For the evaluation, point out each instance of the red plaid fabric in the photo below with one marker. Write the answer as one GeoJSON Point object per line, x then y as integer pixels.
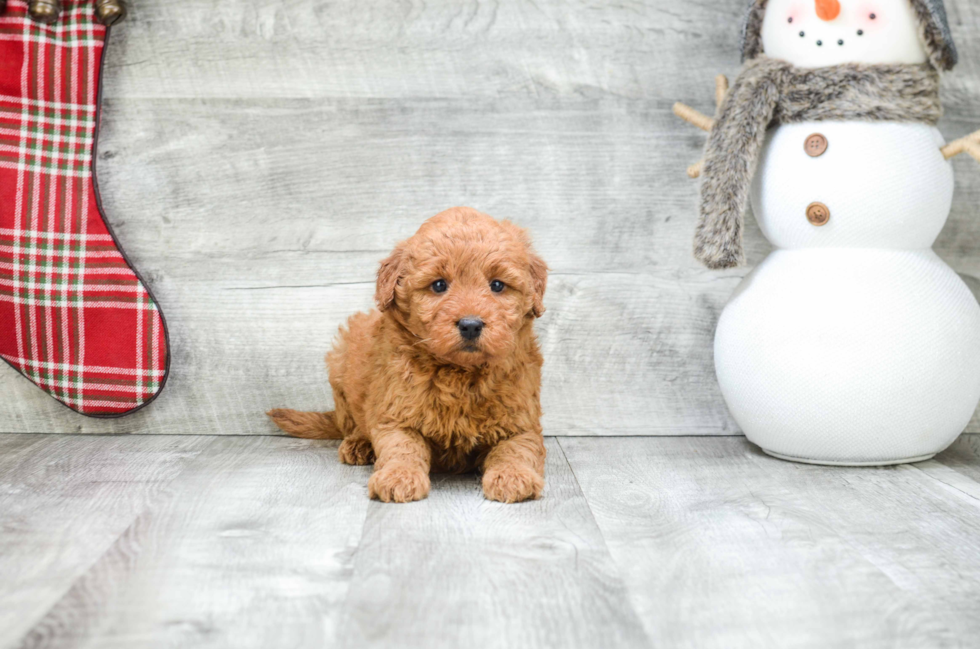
{"type": "Point", "coordinates": [74, 317]}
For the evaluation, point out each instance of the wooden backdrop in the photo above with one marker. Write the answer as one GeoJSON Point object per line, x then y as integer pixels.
{"type": "Point", "coordinates": [258, 158]}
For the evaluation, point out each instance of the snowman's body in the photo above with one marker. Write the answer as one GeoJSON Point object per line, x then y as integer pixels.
{"type": "Point", "coordinates": [852, 343]}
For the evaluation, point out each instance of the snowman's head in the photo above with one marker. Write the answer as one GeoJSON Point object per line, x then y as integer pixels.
{"type": "Point", "coordinates": [821, 33]}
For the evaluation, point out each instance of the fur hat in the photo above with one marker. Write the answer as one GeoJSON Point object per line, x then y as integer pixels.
{"type": "Point", "coordinates": [934, 29]}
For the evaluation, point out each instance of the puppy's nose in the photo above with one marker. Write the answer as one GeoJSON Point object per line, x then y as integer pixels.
{"type": "Point", "coordinates": [470, 327]}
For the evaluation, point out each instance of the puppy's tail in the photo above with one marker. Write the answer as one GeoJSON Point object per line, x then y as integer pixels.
{"type": "Point", "coordinates": [310, 425]}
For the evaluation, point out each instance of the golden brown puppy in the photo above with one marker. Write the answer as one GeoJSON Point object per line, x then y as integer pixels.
{"type": "Point", "coordinates": [446, 374]}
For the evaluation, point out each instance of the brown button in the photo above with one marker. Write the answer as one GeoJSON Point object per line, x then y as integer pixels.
{"type": "Point", "coordinates": [815, 145]}
{"type": "Point", "coordinates": [818, 214]}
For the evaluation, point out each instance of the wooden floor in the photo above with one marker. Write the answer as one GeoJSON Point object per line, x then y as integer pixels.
{"type": "Point", "coordinates": [256, 541]}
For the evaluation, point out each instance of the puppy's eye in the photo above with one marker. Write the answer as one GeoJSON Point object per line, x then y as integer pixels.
{"type": "Point", "coordinates": [497, 286]}
{"type": "Point", "coordinates": [440, 286]}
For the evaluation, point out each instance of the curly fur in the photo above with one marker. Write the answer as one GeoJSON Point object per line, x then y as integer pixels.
{"type": "Point", "coordinates": [769, 92]}
{"type": "Point", "coordinates": [412, 396]}
{"type": "Point", "coordinates": [933, 30]}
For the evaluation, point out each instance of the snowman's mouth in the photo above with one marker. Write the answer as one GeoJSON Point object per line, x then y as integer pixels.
{"type": "Point", "coordinates": [821, 42]}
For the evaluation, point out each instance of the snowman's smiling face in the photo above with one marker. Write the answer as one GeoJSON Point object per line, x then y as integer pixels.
{"type": "Point", "coordinates": [820, 33]}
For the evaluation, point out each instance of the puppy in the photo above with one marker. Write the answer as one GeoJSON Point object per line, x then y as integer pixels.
{"type": "Point", "coordinates": [445, 375]}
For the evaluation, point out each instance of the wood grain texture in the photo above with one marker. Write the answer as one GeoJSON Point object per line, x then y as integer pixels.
{"type": "Point", "coordinates": [261, 541]}
{"type": "Point", "coordinates": [258, 159]}
{"type": "Point", "coordinates": [64, 501]}
{"type": "Point", "coordinates": [254, 541]}
{"type": "Point", "coordinates": [456, 570]}
{"type": "Point", "coordinates": [252, 547]}
{"type": "Point", "coordinates": [723, 546]}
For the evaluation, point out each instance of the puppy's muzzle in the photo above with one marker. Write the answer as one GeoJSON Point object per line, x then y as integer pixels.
{"type": "Point", "coordinates": [470, 328]}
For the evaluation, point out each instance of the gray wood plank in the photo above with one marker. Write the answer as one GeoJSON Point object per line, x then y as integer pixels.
{"type": "Point", "coordinates": [689, 542]}
{"type": "Point", "coordinates": [722, 546]}
{"type": "Point", "coordinates": [456, 570]}
{"type": "Point", "coordinates": [437, 48]}
{"type": "Point", "coordinates": [252, 548]}
{"type": "Point", "coordinates": [958, 466]}
{"type": "Point", "coordinates": [64, 500]}
{"type": "Point", "coordinates": [13, 449]}
{"type": "Point", "coordinates": [258, 159]}
{"type": "Point", "coordinates": [628, 350]}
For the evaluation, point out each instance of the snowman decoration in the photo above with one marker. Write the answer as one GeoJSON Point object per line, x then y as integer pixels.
{"type": "Point", "coordinates": [852, 343]}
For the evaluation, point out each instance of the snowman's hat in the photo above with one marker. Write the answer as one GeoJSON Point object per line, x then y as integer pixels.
{"type": "Point", "coordinates": [934, 28]}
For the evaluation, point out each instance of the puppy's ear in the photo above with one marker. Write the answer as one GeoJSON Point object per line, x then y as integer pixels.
{"type": "Point", "coordinates": [539, 282]}
{"type": "Point", "coordinates": [388, 275]}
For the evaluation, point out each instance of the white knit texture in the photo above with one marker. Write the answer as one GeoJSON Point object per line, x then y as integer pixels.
{"type": "Point", "coordinates": [886, 184]}
{"type": "Point", "coordinates": [851, 355]}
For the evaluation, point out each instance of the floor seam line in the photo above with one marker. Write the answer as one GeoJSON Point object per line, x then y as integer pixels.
{"type": "Point", "coordinates": [150, 504]}
{"type": "Point", "coordinates": [946, 484]}
{"type": "Point", "coordinates": [605, 543]}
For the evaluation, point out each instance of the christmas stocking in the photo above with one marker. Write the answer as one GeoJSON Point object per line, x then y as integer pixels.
{"type": "Point", "coordinates": [75, 317]}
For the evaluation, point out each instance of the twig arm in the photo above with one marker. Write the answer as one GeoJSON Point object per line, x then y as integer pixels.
{"type": "Point", "coordinates": [974, 150]}
{"type": "Point", "coordinates": [692, 116]}
{"type": "Point", "coordinates": [701, 120]}
{"type": "Point", "coordinates": [969, 144]}
{"type": "Point", "coordinates": [721, 89]}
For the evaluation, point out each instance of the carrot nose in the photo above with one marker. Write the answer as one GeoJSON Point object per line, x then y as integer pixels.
{"type": "Point", "coordinates": [828, 9]}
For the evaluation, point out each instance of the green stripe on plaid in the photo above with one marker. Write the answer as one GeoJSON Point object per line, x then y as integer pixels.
{"type": "Point", "coordinates": [46, 112]}
{"type": "Point", "coordinates": [58, 375]}
{"type": "Point", "coordinates": [60, 283]}
{"type": "Point", "coordinates": [41, 234]}
{"type": "Point", "coordinates": [52, 137]}
{"type": "Point", "coordinates": [35, 296]}
{"type": "Point", "coordinates": [92, 370]}
{"type": "Point", "coordinates": [59, 248]}
{"type": "Point", "coordinates": [64, 148]}
{"type": "Point", "coordinates": [50, 164]}
{"type": "Point", "coordinates": [67, 39]}
{"type": "Point", "coordinates": [78, 393]}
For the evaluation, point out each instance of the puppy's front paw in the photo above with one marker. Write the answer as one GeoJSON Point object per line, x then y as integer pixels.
{"type": "Point", "coordinates": [512, 484]}
{"type": "Point", "coordinates": [398, 483]}
{"type": "Point", "coordinates": [356, 450]}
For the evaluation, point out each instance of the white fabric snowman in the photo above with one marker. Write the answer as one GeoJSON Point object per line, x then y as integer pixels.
{"type": "Point", "coordinates": [853, 342]}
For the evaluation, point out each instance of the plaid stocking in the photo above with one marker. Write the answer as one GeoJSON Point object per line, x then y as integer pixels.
{"type": "Point", "coordinates": [75, 318]}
